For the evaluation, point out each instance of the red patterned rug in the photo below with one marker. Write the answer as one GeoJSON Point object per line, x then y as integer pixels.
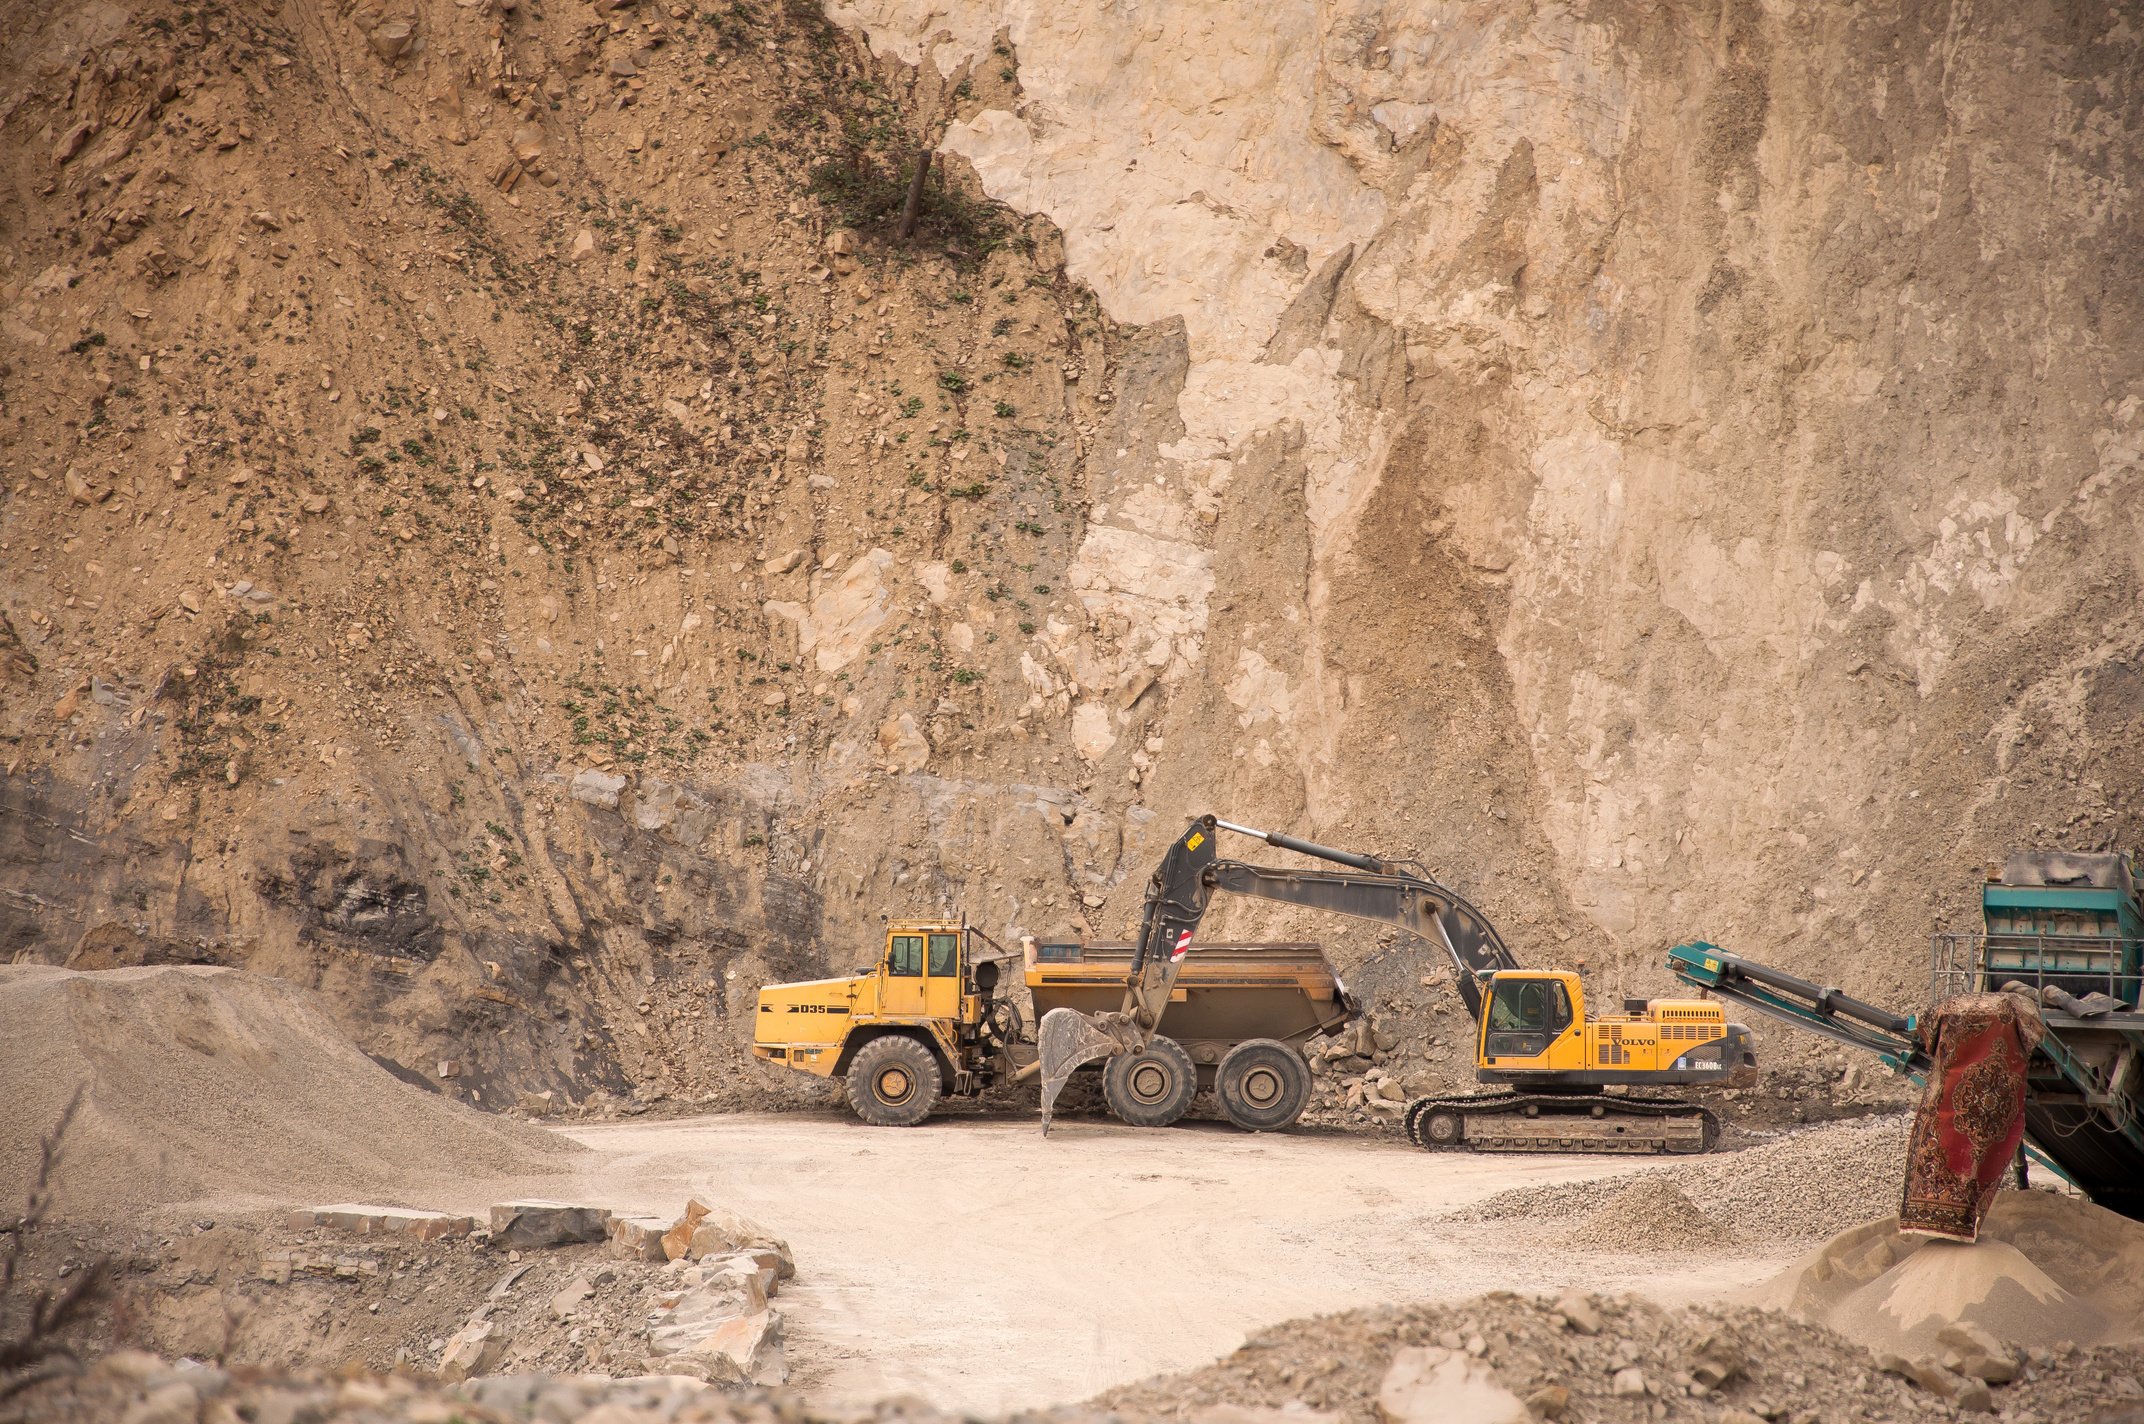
{"type": "Point", "coordinates": [1971, 1117]}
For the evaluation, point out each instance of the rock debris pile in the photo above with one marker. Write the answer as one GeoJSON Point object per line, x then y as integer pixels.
{"type": "Point", "coordinates": [601, 1331]}
{"type": "Point", "coordinates": [1505, 1359]}
{"type": "Point", "coordinates": [1499, 1359]}
{"type": "Point", "coordinates": [704, 1311]}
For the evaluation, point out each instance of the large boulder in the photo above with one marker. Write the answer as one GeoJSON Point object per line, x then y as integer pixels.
{"type": "Point", "coordinates": [1426, 1384]}
{"type": "Point", "coordinates": [548, 1223]}
{"type": "Point", "coordinates": [475, 1349]}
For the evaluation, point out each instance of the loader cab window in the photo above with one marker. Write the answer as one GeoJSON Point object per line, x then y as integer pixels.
{"type": "Point", "coordinates": [905, 959]}
{"type": "Point", "coordinates": [945, 955]}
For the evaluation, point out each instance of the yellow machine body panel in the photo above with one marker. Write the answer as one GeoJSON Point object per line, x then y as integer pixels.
{"type": "Point", "coordinates": [1535, 1027]}
{"type": "Point", "coordinates": [804, 1025]}
{"type": "Point", "coordinates": [1653, 1042]}
{"type": "Point", "coordinates": [917, 981]}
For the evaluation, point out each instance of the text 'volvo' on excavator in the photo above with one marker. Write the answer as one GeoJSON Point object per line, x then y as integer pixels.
{"type": "Point", "coordinates": [1533, 1034]}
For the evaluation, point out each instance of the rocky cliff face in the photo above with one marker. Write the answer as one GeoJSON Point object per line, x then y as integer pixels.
{"type": "Point", "coordinates": [498, 529]}
{"type": "Point", "coordinates": [1693, 444]}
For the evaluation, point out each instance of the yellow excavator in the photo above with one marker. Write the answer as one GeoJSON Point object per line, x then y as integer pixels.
{"type": "Point", "coordinates": [1533, 1036]}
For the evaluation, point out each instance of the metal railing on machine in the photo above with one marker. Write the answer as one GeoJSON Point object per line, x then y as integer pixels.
{"type": "Point", "coordinates": [2076, 964]}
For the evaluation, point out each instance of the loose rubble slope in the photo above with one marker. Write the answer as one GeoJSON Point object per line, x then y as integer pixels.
{"type": "Point", "coordinates": [1611, 1360]}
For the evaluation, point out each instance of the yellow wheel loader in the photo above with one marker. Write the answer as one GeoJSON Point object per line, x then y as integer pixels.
{"type": "Point", "coordinates": [1532, 1030]}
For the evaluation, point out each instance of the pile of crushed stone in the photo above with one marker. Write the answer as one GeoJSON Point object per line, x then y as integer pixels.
{"type": "Point", "coordinates": [207, 1083]}
{"type": "Point", "coordinates": [1802, 1187]}
{"type": "Point", "coordinates": [1651, 1214]}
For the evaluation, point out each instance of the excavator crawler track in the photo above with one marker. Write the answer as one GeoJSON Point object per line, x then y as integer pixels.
{"type": "Point", "coordinates": [1560, 1122]}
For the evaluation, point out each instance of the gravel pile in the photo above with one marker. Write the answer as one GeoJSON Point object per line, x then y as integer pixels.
{"type": "Point", "coordinates": [1803, 1187]}
{"type": "Point", "coordinates": [1812, 1184]}
{"type": "Point", "coordinates": [1651, 1214]}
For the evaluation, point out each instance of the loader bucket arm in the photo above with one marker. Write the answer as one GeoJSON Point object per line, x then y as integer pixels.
{"type": "Point", "coordinates": [1176, 899]}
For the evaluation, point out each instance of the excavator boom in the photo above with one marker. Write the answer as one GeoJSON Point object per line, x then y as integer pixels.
{"type": "Point", "coordinates": [1413, 903]}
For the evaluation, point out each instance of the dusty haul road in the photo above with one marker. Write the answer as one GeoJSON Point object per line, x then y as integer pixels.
{"type": "Point", "coordinates": [974, 1263]}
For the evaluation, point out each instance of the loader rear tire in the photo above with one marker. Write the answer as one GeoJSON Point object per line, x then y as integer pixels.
{"type": "Point", "coordinates": [893, 1082]}
{"type": "Point", "coordinates": [1263, 1085]}
{"type": "Point", "coordinates": [1151, 1089]}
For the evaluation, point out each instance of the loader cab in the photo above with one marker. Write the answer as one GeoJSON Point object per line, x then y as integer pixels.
{"type": "Point", "coordinates": [920, 973]}
{"type": "Point", "coordinates": [1525, 1016]}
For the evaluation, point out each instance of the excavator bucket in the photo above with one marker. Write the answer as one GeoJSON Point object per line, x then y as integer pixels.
{"type": "Point", "coordinates": [1068, 1039]}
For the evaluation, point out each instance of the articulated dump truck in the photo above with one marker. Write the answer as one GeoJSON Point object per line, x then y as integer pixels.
{"type": "Point", "coordinates": [933, 1019]}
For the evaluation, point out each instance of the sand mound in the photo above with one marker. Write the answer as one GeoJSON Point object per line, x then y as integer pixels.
{"type": "Point", "coordinates": [2047, 1268]}
{"type": "Point", "coordinates": [213, 1083]}
{"type": "Point", "coordinates": [1651, 1214]}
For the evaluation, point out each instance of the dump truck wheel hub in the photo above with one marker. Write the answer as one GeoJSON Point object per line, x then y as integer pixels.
{"type": "Point", "coordinates": [1262, 1087]}
{"type": "Point", "coordinates": [894, 1085]}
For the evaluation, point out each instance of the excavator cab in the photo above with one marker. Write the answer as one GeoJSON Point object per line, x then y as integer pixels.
{"type": "Point", "coordinates": [1526, 1014]}
{"type": "Point", "coordinates": [1533, 1020]}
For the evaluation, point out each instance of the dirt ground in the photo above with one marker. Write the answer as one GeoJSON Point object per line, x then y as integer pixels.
{"type": "Point", "coordinates": [985, 1271]}
{"type": "Point", "coordinates": [978, 1265]}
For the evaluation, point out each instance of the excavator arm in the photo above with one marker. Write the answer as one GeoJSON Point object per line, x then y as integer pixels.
{"type": "Point", "coordinates": [1397, 893]}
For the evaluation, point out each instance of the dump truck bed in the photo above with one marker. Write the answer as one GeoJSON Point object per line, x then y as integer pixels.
{"type": "Point", "coordinates": [1225, 993]}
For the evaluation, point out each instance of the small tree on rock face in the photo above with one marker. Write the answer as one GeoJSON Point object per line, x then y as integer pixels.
{"type": "Point", "coordinates": [913, 204]}
{"type": "Point", "coordinates": [937, 117]}
{"type": "Point", "coordinates": [881, 179]}
{"type": "Point", "coordinates": [33, 1321]}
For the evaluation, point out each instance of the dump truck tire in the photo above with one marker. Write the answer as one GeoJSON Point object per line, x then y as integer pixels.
{"type": "Point", "coordinates": [1151, 1089]}
{"type": "Point", "coordinates": [893, 1082]}
{"type": "Point", "coordinates": [1263, 1085]}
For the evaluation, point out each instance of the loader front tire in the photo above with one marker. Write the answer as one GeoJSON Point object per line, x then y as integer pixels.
{"type": "Point", "coordinates": [1153, 1088]}
{"type": "Point", "coordinates": [893, 1082]}
{"type": "Point", "coordinates": [1263, 1085]}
